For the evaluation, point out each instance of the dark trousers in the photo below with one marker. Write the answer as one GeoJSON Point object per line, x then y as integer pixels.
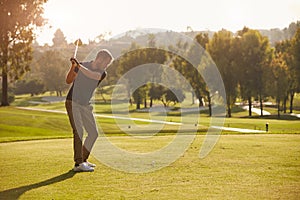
{"type": "Point", "coordinates": [82, 117]}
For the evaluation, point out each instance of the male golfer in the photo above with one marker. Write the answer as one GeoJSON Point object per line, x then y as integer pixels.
{"type": "Point", "coordinates": [85, 77]}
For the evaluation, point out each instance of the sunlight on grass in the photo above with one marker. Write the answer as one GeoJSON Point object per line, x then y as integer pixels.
{"type": "Point", "coordinates": [17, 124]}
{"type": "Point", "coordinates": [239, 167]}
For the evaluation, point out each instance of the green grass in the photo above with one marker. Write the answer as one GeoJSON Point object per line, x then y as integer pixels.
{"type": "Point", "coordinates": [17, 124]}
{"type": "Point", "coordinates": [239, 167]}
{"type": "Point", "coordinates": [275, 126]}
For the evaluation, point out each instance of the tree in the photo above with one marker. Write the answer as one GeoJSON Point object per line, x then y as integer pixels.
{"type": "Point", "coordinates": [18, 20]}
{"type": "Point", "coordinates": [54, 68]}
{"type": "Point", "coordinates": [174, 95]}
{"type": "Point", "coordinates": [284, 48]}
{"type": "Point", "coordinates": [202, 39]}
{"type": "Point", "coordinates": [33, 87]}
{"type": "Point", "coordinates": [154, 55]}
{"type": "Point", "coordinates": [296, 54]}
{"type": "Point", "coordinates": [166, 95]}
{"type": "Point", "coordinates": [220, 49]}
{"type": "Point", "coordinates": [156, 91]}
{"type": "Point", "coordinates": [139, 95]}
{"type": "Point", "coordinates": [279, 80]}
{"type": "Point", "coordinates": [137, 56]}
{"type": "Point", "coordinates": [128, 61]}
{"type": "Point", "coordinates": [59, 39]}
{"type": "Point", "coordinates": [199, 83]}
{"type": "Point", "coordinates": [252, 57]}
{"type": "Point", "coordinates": [189, 71]}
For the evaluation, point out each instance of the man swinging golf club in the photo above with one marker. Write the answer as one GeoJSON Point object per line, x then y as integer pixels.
{"type": "Point", "coordinates": [85, 77]}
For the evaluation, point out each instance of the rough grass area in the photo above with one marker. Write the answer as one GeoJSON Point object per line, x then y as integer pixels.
{"type": "Point", "coordinates": [239, 167]}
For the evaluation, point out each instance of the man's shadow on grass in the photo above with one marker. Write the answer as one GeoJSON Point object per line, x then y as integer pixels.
{"type": "Point", "coordinates": [15, 193]}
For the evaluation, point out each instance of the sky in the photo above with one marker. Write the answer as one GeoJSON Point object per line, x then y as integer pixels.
{"type": "Point", "coordinates": [86, 19]}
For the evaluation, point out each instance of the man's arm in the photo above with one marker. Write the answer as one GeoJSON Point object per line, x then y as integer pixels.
{"type": "Point", "coordinates": [90, 74]}
{"type": "Point", "coordinates": [72, 74]}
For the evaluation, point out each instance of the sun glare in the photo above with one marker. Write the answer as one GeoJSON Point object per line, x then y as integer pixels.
{"type": "Point", "coordinates": [88, 19]}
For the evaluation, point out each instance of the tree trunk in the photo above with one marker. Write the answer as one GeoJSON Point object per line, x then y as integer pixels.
{"type": "Point", "coordinates": [201, 102]}
{"type": "Point", "coordinates": [193, 98]}
{"type": "Point", "coordinates": [228, 106]}
{"type": "Point", "coordinates": [278, 108]}
{"type": "Point", "coordinates": [284, 104]}
{"type": "Point", "coordinates": [4, 100]}
{"type": "Point", "coordinates": [199, 97]}
{"type": "Point", "coordinates": [229, 110]}
{"type": "Point", "coordinates": [250, 106]}
{"type": "Point", "coordinates": [292, 93]}
{"type": "Point", "coordinates": [138, 103]}
{"type": "Point", "coordinates": [164, 103]}
{"type": "Point", "coordinates": [151, 102]}
{"type": "Point", "coordinates": [145, 103]}
{"type": "Point", "coordinates": [209, 104]}
{"type": "Point", "coordinates": [261, 106]}
{"type": "Point", "coordinates": [128, 95]}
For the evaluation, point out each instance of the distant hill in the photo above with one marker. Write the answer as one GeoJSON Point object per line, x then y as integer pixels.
{"type": "Point", "coordinates": [141, 36]}
{"type": "Point", "coordinates": [276, 34]}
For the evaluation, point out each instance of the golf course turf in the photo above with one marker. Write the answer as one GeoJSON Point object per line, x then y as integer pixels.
{"type": "Point", "coordinates": [239, 167]}
{"type": "Point", "coordinates": [37, 155]}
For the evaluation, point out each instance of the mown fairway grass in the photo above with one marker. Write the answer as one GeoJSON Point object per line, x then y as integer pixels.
{"type": "Point", "coordinates": [239, 167]}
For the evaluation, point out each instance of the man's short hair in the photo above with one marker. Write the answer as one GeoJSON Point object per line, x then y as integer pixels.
{"type": "Point", "coordinates": [104, 53]}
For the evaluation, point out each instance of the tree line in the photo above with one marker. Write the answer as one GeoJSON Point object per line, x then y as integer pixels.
{"type": "Point", "coordinates": [252, 67]}
{"type": "Point", "coordinates": [253, 70]}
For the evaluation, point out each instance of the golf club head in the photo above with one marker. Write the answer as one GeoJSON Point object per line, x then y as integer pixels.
{"type": "Point", "coordinates": [78, 43]}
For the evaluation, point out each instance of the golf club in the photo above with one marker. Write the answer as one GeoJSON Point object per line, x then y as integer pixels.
{"type": "Point", "coordinates": [78, 42]}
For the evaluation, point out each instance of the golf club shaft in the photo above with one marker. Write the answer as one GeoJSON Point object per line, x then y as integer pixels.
{"type": "Point", "coordinates": [76, 49]}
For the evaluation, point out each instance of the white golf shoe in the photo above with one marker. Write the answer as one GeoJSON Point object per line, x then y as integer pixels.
{"type": "Point", "coordinates": [83, 167]}
{"type": "Point", "coordinates": [90, 164]}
